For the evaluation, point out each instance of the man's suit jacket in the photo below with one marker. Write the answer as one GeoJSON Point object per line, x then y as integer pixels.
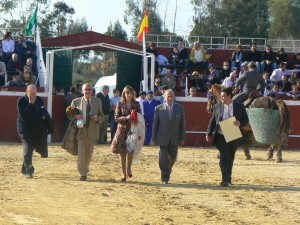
{"type": "Point", "coordinates": [239, 112]}
{"type": "Point", "coordinates": [166, 130]}
{"type": "Point", "coordinates": [250, 79]}
{"type": "Point", "coordinates": [96, 109]}
{"type": "Point", "coordinates": [285, 87]}
{"type": "Point", "coordinates": [171, 83]}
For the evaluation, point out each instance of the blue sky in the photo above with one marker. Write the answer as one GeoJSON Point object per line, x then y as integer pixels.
{"type": "Point", "coordinates": [99, 13]}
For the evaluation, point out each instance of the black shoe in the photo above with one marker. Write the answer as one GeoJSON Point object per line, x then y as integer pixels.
{"type": "Point", "coordinates": [224, 184]}
{"type": "Point", "coordinates": [28, 175]}
{"type": "Point", "coordinates": [247, 157]}
{"type": "Point", "coordinates": [83, 178]}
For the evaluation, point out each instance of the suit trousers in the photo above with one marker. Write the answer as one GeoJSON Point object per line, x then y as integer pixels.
{"type": "Point", "coordinates": [85, 151]}
{"type": "Point", "coordinates": [167, 158]}
{"type": "Point", "coordinates": [103, 128]}
{"type": "Point", "coordinates": [227, 154]}
{"type": "Point", "coordinates": [148, 136]}
{"type": "Point", "coordinates": [27, 167]}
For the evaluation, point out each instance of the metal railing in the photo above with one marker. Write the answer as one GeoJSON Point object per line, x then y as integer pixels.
{"type": "Point", "coordinates": [232, 42]}
{"type": "Point", "coordinates": [225, 43]}
{"type": "Point", "coordinates": [288, 45]}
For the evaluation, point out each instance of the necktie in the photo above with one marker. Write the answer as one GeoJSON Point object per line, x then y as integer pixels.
{"type": "Point", "coordinates": [227, 112]}
{"type": "Point", "coordinates": [88, 116]}
{"type": "Point", "coordinates": [170, 111]}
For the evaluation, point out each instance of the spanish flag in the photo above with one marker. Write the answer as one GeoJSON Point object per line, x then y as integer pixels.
{"type": "Point", "coordinates": [144, 26]}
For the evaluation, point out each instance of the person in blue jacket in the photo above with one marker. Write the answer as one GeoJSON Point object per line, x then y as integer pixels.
{"type": "Point", "coordinates": [149, 105]}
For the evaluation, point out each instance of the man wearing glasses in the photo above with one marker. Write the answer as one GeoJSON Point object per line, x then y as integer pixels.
{"type": "Point", "coordinates": [90, 110]}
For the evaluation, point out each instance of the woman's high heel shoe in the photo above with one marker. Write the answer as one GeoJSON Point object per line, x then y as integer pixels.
{"type": "Point", "coordinates": [129, 173]}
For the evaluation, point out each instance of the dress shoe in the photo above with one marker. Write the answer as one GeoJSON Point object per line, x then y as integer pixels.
{"type": "Point", "coordinates": [83, 178]}
{"type": "Point", "coordinates": [28, 175]}
{"type": "Point", "coordinates": [247, 157]}
{"type": "Point", "coordinates": [123, 179]}
{"type": "Point", "coordinates": [224, 184]}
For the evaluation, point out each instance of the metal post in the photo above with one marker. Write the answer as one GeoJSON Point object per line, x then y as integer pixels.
{"type": "Point", "coordinates": [50, 89]}
{"type": "Point", "coordinates": [152, 72]}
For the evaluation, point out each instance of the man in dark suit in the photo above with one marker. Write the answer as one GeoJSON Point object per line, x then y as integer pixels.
{"type": "Point", "coordinates": [31, 128]}
{"type": "Point", "coordinates": [250, 79]}
{"type": "Point", "coordinates": [284, 85]}
{"type": "Point", "coordinates": [222, 111]}
{"type": "Point", "coordinates": [168, 132]}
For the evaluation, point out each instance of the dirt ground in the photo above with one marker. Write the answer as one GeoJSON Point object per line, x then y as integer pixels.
{"type": "Point", "coordinates": [264, 192]}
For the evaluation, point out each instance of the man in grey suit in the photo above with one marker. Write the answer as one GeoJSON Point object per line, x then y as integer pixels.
{"type": "Point", "coordinates": [90, 109]}
{"type": "Point", "coordinates": [250, 79]}
{"type": "Point", "coordinates": [168, 132]}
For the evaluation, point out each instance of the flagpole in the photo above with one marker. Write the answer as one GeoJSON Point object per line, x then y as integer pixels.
{"type": "Point", "coordinates": [145, 64]}
{"type": "Point", "coordinates": [35, 25]}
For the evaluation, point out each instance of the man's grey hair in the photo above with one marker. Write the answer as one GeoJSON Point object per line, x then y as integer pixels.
{"type": "Point", "coordinates": [169, 91]}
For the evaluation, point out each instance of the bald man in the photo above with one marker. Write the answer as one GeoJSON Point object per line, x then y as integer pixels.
{"type": "Point", "coordinates": [31, 128]}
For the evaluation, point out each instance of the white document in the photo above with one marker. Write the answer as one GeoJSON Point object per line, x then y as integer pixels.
{"type": "Point", "coordinates": [229, 130]}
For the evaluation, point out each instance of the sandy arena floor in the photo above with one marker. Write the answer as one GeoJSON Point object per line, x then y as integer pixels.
{"type": "Point", "coordinates": [265, 192]}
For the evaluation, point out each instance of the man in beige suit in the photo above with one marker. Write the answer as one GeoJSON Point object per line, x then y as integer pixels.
{"type": "Point", "coordinates": [90, 109]}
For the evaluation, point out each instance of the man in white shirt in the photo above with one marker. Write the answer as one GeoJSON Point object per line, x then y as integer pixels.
{"type": "Point", "coordinates": [230, 81]}
{"type": "Point", "coordinates": [8, 47]}
{"type": "Point", "coordinates": [140, 99]}
{"type": "Point", "coordinates": [277, 73]}
{"type": "Point", "coordinates": [198, 57]}
{"type": "Point", "coordinates": [113, 104]}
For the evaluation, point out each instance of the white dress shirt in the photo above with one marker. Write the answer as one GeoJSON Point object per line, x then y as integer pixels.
{"type": "Point", "coordinates": [8, 46]}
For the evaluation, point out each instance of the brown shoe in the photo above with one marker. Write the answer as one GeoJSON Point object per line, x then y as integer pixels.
{"type": "Point", "coordinates": [279, 160]}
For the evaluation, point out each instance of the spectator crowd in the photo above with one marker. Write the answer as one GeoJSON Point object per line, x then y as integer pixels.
{"type": "Point", "coordinates": [17, 61]}
{"type": "Point", "coordinates": [194, 70]}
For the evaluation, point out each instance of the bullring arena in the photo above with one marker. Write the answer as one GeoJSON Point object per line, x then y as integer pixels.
{"type": "Point", "coordinates": [264, 192]}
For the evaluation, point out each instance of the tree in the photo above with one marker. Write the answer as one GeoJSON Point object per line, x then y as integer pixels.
{"type": "Point", "coordinates": [231, 18]}
{"type": "Point", "coordinates": [237, 21]}
{"type": "Point", "coordinates": [14, 14]}
{"type": "Point", "coordinates": [135, 12]}
{"type": "Point", "coordinates": [205, 17]}
{"type": "Point", "coordinates": [56, 22]}
{"type": "Point", "coordinates": [78, 26]}
{"type": "Point", "coordinates": [116, 31]}
{"type": "Point", "coordinates": [284, 17]}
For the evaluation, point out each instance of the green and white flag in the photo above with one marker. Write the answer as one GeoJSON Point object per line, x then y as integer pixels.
{"type": "Point", "coordinates": [32, 22]}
